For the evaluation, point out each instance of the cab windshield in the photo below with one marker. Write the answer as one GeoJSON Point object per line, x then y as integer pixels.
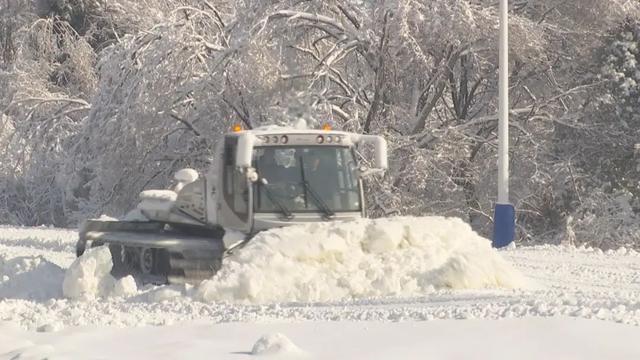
{"type": "Point", "coordinates": [306, 179]}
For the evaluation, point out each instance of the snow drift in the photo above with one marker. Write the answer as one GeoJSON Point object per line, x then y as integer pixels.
{"type": "Point", "coordinates": [30, 278]}
{"type": "Point", "coordinates": [404, 256]}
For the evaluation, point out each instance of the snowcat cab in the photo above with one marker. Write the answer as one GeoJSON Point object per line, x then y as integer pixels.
{"type": "Point", "coordinates": [263, 178]}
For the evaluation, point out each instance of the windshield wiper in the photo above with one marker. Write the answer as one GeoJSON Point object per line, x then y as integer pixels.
{"type": "Point", "coordinates": [283, 209]}
{"type": "Point", "coordinates": [328, 213]}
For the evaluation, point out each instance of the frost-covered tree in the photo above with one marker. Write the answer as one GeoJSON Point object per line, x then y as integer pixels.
{"type": "Point", "coordinates": [622, 69]}
{"type": "Point", "coordinates": [605, 204]}
{"type": "Point", "coordinates": [44, 91]}
{"type": "Point", "coordinates": [156, 98]}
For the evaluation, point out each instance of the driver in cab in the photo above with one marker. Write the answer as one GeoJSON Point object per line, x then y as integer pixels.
{"type": "Point", "coordinates": [274, 168]}
{"type": "Point", "coordinates": [319, 174]}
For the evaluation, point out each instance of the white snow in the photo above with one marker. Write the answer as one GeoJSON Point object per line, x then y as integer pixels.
{"type": "Point", "coordinates": [89, 275]}
{"type": "Point", "coordinates": [275, 344]}
{"type": "Point", "coordinates": [31, 352]}
{"type": "Point", "coordinates": [186, 175]}
{"type": "Point", "coordinates": [400, 257]}
{"type": "Point", "coordinates": [523, 339]}
{"type": "Point", "coordinates": [30, 278]}
{"type": "Point", "coordinates": [586, 305]}
{"type": "Point", "coordinates": [164, 293]}
{"type": "Point", "coordinates": [161, 195]}
{"type": "Point", "coordinates": [104, 217]}
{"type": "Point", "coordinates": [125, 286]}
{"type": "Point", "coordinates": [157, 200]}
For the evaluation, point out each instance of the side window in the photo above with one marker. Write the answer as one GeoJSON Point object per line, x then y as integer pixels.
{"type": "Point", "coordinates": [345, 165]}
{"type": "Point", "coordinates": [235, 184]}
{"type": "Point", "coordinates": [241, 195]}
{"type": "Point", "coordinates": [230, 148]}
{"type": "Point", "coordinates": [341, 173]}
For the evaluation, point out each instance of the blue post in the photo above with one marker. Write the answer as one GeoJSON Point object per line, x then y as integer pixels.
{"type": "Point", "coordinates": [504, 225]}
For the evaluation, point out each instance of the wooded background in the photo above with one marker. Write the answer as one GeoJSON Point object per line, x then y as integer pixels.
{"type": "Point", "coordinates": [100, 99]}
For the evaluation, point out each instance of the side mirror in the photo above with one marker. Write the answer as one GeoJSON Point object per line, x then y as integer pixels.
{"type": "Point", "coordinates": [184, 177]}
{"type": "Point", "coordinates": [380, 145]}
{"type": "Point", "coordinates": [245, 150]}
{"type": "Point", "coordinates": [365, 172]}
{"type": "Point", "coordinates": [252, 174]}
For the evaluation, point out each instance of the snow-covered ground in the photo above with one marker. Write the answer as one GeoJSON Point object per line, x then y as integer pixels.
{"type": "Point", "coordinates": [569, 303]}
{"type": "Point", "coordinates": [532, 338]}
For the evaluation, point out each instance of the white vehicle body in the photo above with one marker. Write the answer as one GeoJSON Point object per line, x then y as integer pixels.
{"type": "Point", "coordinates": [262, 178]}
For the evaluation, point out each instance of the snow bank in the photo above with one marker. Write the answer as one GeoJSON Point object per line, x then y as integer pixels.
{"type": "Point", "coordinates": [30, 278]}
{"type": "Point", "coordinates": [275, 344]}
{"type": "Point", "coordinates": [402, 257]}
{"type": "Point", "coordinates": [89, 275]}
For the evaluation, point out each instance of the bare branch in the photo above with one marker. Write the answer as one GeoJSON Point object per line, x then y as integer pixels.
{"type": "Point", "coordinates": [184, 122]}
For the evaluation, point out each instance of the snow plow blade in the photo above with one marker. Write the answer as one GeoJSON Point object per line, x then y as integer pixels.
{"type": "Point", "coordinates": [153, 252]}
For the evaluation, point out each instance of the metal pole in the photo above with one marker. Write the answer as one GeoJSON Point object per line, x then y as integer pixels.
{"type": "Point", "coordinates": [504, 217]}
{"type": "Point", "coordinates": [503, 111]}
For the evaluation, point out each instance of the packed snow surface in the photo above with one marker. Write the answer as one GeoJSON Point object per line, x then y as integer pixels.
{"type": "Point", "coordinates": [402, 257]}
{"type": "Point", "coordinates": [522, 339]}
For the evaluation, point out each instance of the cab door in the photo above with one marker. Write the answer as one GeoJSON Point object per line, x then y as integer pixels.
{"type": "Point", "coordinates": [235, 197]}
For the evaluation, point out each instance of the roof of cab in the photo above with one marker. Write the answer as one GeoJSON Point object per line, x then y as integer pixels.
{"type": "Point", "coordinates": [278, 130]}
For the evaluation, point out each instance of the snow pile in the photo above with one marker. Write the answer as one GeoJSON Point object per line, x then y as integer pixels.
{"type": "Point", "coordinates": [89, 276]}
{"type": "Point", "coordinates": [30, 278]}
{"type": "Point", "coordinates": [275, 344]}
{"type": "Point", "coordinates": [125, 287]}
{"type": "Point", "coordinates": [402, 257]}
